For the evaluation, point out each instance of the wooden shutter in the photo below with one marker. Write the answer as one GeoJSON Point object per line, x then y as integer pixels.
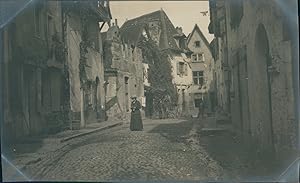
{"type": "Point", "coordinates": [185, 69]}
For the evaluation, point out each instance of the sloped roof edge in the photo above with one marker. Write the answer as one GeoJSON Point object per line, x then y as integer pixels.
{"type": "Point", "coordinates": [196, 28]}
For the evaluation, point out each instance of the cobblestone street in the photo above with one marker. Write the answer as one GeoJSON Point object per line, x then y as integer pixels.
{"type": "Point", "coordinates": [169, 149]}
{"type": "Point", "coordinates": [160, 152]}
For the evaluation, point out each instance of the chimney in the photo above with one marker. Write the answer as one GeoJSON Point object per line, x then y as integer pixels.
{"type": "Point", "coordinates": [116, 22]}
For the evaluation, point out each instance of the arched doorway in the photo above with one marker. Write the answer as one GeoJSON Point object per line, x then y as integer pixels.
{"type": "Point", "coordinates": [263, 99]}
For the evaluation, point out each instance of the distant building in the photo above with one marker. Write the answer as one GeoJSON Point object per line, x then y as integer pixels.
{"type": "Point", "coordinates": [202, 65]}
{"type": "Point", "coordinates": [158, 27]}
{"type": "Point", "coordinates": [123, 74]}
{"type": "Point", "coordinates": [259, 44]}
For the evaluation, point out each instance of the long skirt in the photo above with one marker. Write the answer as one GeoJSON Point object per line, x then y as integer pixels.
{"type": "Point", "coordinates": [136, 123]}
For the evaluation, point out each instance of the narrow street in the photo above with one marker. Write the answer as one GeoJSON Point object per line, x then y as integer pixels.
{"type": "Point", "coordinates": [161, 152]}
{"type": "Point", "coordinates": [157, 153]}
{"type": "Point", "coordinates": [170, 149]}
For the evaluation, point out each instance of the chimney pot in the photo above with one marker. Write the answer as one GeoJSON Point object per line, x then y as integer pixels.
{"type": "Point", "coordinates": [116, 22]}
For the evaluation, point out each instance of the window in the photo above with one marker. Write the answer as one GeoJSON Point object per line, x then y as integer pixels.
{"type": "Point", "coordinates": [197, 43]}
{"type": "Point", "coordinates": [37, 20]}
{"type": "Point", "coordinates": [50, 28]}
{"type": "Point", "coordinates": [199, 57]}
{"type": "Point", "coordinates": [126, 80]}
{"type": "Point", "coordinates": [197, 102]}
{"type": "Point", "coordinates": [144, 33]}
{"type": "Point", "coordinates": [198, 77]}
{"type": "Point", "coordinates": [181, 68]}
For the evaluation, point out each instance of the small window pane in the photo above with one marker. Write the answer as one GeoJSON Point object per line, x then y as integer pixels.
{"type": "Point", "coordinates": [195, 81]}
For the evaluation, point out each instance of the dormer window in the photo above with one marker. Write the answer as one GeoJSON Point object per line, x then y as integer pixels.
{"type": "Point", "coordinates": [145, 35]}
{"type": "Point", "coordinates": [197, 43]}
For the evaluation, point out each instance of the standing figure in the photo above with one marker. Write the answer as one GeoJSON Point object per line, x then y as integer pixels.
{"type": "Point", "coordinates": [136, 123]}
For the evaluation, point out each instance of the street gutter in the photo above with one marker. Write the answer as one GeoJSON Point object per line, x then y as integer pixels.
{"type": "Point", "coordinates": [90, 132]}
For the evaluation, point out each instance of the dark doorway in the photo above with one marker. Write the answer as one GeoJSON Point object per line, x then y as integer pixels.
{"type": "Point", "coordinates": [30, 99]}
{"type": "Point", "coordinates": [263, 101]}
{"type": "Point", "coordinates": [126, 94]}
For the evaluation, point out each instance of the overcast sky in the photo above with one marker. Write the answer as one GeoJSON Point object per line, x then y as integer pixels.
{"type": "Point", "coordinates": [183, 14]}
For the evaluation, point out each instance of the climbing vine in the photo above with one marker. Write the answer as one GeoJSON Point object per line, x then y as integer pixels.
{"type": "Point", "coordinates": [160, 74]}
{"type": "Point", "coordinates": [84, 44]}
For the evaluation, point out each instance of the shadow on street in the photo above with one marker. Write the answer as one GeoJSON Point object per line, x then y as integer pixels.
{"type": "Point", "coordinates": [174, 132]}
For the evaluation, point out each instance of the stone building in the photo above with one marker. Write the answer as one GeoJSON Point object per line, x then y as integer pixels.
{"type": "Point", "coordinates": [219, 77]}
{"type": "Point", "coordinates": [202, 65]}
{"type": "Point", "coordinates": [85, 60]}
{"type": "Point", "coordinates": [157, 27]}
{"type": "Point", "coordinates": [260, 44]}
{"type": "Point", "coordinates": [219, 51]}
{"type": "Point", "coordinates": [33, 70]}
{"type": "Point", "coordinates": [42, 61]}
{"type": "Point", "coordinates": [123, 73]}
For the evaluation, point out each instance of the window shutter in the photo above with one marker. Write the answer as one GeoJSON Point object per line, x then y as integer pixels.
{"type": "Point", "coordinates": [39, 89]}
{"type": "Point", "coordinates": [185, 69]}
{"type": "Point", "coordinates": [177, 66]}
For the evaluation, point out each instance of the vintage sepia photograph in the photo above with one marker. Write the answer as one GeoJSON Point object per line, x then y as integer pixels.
{"type": "Point", "coordinates": [139, 91]}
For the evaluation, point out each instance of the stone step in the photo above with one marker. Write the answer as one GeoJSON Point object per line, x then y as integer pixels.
{"type": "Point", "coordinates": [212, 131]}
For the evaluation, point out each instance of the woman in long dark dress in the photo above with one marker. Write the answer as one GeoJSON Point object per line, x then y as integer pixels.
{"type": "Point", "coordinates": [136, 123]}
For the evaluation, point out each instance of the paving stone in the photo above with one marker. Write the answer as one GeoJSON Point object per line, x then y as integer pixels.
{"type": "Point", "coordinates": [126, 155]}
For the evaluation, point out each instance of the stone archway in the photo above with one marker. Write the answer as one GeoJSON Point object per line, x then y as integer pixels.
{"type": "Point", "coordinates": [262, 97]}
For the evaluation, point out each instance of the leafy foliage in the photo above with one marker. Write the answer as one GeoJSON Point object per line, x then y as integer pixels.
{"type": "Point", "coordinates": [160, 71]}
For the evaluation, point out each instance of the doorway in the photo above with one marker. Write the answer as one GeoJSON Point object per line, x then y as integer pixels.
{"type": "Point", "coordinates": [30, 99]}
{"type": "Point", "coordinates": [263, 100]}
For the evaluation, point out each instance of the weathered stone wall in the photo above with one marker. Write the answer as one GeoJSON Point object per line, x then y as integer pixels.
{"type": "Point", "coordinates": [32, 69]}
{"type": "Point", "coordinates": [219, 78]}
{"type": "Point", "coordinates": [73, 40]}
{"type": "Point", "coordinates": [260, 17]}
{"type": "Point", "coordinates": [126, 62]}
{"type": "Point", "coordinates": [182, 82]}
{"type": "Point", "coordinates": [93, 100]}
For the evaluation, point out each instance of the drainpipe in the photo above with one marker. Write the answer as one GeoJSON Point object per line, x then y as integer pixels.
{"type": "Point", "coordinates": [1, 85]}
{"type": "Point", "coordinates": [82, 120]}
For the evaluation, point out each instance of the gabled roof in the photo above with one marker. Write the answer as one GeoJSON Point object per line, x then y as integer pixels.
{"type": "Point", "coordinates": [132, 29]}
{"type": "Point", "coordinates": [197, 29]}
